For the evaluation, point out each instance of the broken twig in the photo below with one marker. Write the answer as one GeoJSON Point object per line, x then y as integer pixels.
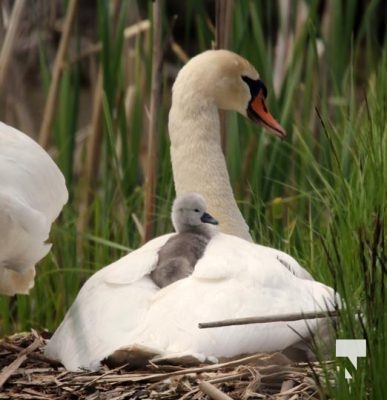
{"type": "Point", "coordinates": [268, 319]}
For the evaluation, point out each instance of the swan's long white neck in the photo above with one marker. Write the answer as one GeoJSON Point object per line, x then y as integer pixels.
{"type": "Point", "coordinates": [198, 162]}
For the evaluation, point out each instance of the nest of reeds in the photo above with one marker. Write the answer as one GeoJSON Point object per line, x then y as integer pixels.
{"type": "Point", "coordinates": [27, 374]}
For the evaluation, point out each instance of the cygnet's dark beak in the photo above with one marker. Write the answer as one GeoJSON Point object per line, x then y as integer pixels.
{"type": "Point", "coordinates": [208, 219]}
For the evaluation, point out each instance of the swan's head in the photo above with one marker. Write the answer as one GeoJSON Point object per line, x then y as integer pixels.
{"type": "Point", "coordinates": [189, 213]}
{"type": "Point", "coordinates": [231, 81]}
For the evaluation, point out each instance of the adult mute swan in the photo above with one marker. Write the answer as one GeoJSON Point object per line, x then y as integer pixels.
{"type": "Point", "coordinates": [121, 311]}
{"type": "Point", "coordinates": [216, 79]}
{"type": "Point", "coordinates": [177, 258]}
{"type": "Point", "coordinates": [32, 194]}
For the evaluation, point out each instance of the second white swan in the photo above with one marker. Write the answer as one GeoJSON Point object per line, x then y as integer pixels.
{"type": "Point", "coordinates": [32, 194]}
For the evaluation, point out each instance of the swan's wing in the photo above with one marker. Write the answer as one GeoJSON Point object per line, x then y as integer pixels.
{"type": "Point", "coordinates": [136, 264]}
{"type": "Point", "coordinates": [22, 244]}
{"type": "Point", "coordinates": [171, 323]}
{"type": "Point", "coordinates": [292, 265]}
{"type": "Point", "coordinates": [109, 306]}
{"type": "Point", "coordinates": [30, 220]}
{"type": "Point", "coordinates": [32, 194]}
{"type": "Point", "coordinates": [12, 282]}
{"type": "Point", "coordinates": [29, 172]}
{"type": "Point", "coordinates": [234, 279]}
{"type": "Point", "coordinates": [218, 261]}
{"type": "Point", "coordinates": [235, 250]}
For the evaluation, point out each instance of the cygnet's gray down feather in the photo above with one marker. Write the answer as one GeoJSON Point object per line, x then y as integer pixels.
{"type": "Point", "coordinates": [177, 258]}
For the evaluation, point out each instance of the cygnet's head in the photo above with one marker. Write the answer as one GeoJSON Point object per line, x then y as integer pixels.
{"type": "Point", "coordinates": [230, 81]}
{"type": "Point", "coordinates": [189, 214]}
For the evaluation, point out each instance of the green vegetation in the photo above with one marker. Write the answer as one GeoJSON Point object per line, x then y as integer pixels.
{"type": "Point", "coordinates": [319, 195]}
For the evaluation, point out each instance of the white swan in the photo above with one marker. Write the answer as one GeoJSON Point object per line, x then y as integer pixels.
{"type": "Point", "coordinates": [211, 81]}
{"type": "Point", "coordinates": [32, 194]}
{"type": "Point", "coordinates": [120, 310]}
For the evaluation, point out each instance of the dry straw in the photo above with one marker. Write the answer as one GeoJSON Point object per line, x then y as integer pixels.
{"type": "Point", "coordinates": [27, 374]}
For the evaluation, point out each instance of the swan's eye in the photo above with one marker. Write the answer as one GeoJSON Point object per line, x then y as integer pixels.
{"type": "Point", "coordinates": [255, 86]}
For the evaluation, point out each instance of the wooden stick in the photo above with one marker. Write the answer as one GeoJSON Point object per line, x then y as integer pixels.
{"type": "Point", "coordinates": [268, 319]}
{"type": "Point", "coordinates": [49, 109]}
{"type": "Point", "coordinates": [9, 40]}
{"type": "Point", "coordinates": [285, 387]}
{"type": "Point", "coordinates": [11, 368]}
{"type": "Point", "coordinates": [150, 176]}
{"type": "Point", "coordinates": [210, 390]}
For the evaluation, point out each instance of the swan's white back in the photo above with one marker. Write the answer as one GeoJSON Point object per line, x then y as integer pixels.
{"type": "Point", "coordinates": [32, 194]}
{"type": "Point", "coordinates": [121, 307]}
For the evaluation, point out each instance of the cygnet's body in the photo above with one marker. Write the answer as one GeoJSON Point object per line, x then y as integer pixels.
{"type": "Point", "coordinates": [177, 258]}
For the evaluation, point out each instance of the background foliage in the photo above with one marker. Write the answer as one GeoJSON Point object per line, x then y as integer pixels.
{"type": "Point", "coordinates": [319, 195]}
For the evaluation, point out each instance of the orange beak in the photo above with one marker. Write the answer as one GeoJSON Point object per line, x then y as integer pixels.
{"type": "Point", "coordinates": [259, 113]}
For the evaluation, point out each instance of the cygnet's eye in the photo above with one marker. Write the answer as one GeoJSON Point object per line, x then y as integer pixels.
{"type": "Point", "coordinates": [196, 210]}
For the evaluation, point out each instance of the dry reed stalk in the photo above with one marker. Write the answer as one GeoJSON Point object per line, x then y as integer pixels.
{"type": "Point", "coordinates": [22, 356]}
{"type": "Point", "coordinates": [223, 19]}
{"type": "Point", "coordinates": [136, 29]}
{"type": "Point", "coordinates": [288, 34]}
{"type": "Point", "coordinates": [223, 23]}
{"type": "Point", "coordinates": [260, 359]}
{"type": "Point", "coordinates": [129, 32]}
{"type": "Point", "coordinates": [227, 377]}
{"type": "Point", "coordinates": [9, 40]}
{"type": "Point", "coordinates": [264, 320]}
{"type": "Point", "coordinates": [49, 108]}
{"type": "Point", "coordinates": [284, 45]}
{"type": "Point", "coordinates": [150, 173]}
{"type": "Point", "coordinates": [93, 152]}
{"type": "Point", "coordinates": [258, 376]}
{"type": "Point", "coordinates": [94, 141]}
{"type": "Point", "coordinates": [35, 356]}
{"type": "Point", "coordinates": [212, 391]}
{"type": "Point", "coordinates": [180, 53]}
{"type": "Point", "coordinates": [247, 162]}
{"type": "Point", "coordinates": [16, 104]}
{"type": "Point", "coordinates": [286, 386]}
